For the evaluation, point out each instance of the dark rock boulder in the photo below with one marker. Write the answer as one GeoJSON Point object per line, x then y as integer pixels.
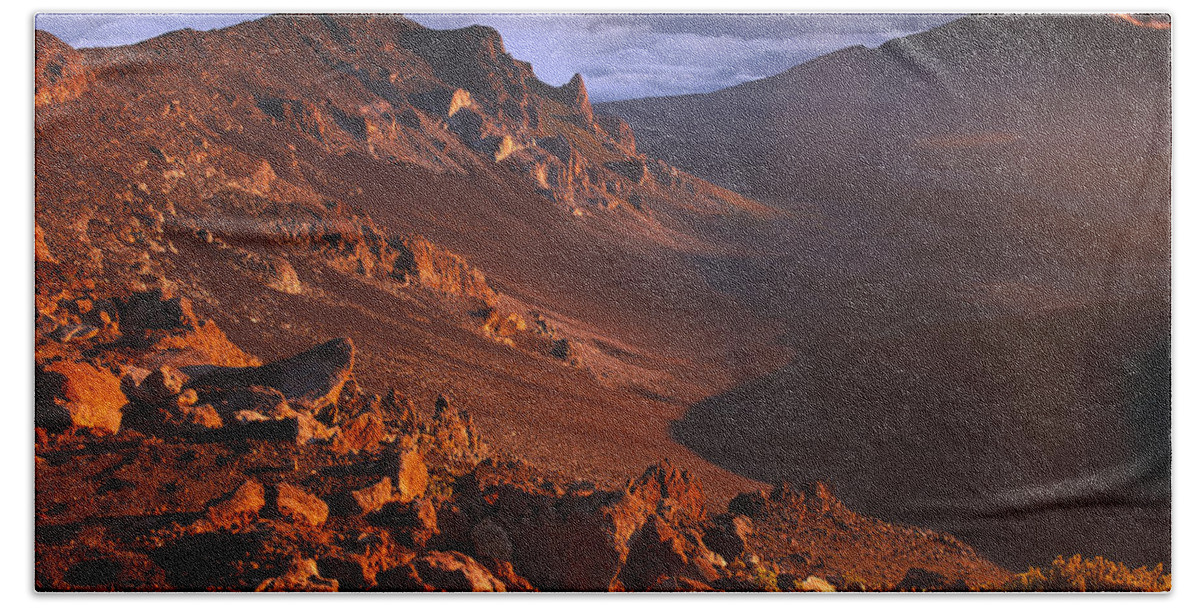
{"type": "Point", "coordinates": [727, 535]}
{"type": "Point", "coordinates": [310, 380]}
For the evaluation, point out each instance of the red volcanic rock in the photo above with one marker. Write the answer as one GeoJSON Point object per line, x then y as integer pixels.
{"type": "Point", "coordinates": [399, 410]}
{"type": "Point", "coordinates": [309, 429]}
{"type": "Point", "coordinates": [412, 475]}
{"type": "Point", "coordinates": [41, 251]}
{"type": "Point", "coordinates": [658, 550]}
{"type": "Point", "coordinates": [436, 268]}
{"type": "Point", "coordinates": [573, 95]}
{"type": "Point", "coordinates": [297, 505]}
{"type": "Point", "coordinates": [815, 583]}
{"type": "Point", "coordinates": [205, 345]}
{"type": "Point", "coordinates": [274, 271]}
{"type": "Point", "coordinates": [243, 503]}
{"type": "Point", "coordinates": [423, 518]}
{"type": "Point", "coordinates": [567, 538]}
{"type": "Point", "coordinates": [620, 132]}
{"type": "Point", "coordinates": [363, 433]}
{"type": "Point", "coordinates": [453, 571]}
{"type": "Point", "coordinates": [679, 583]}
{"type": "Point", "coordinates": [634, 170]}
{"type": "Point", "coordinates": [474, 59]}
{"type": "Point", "coordinates": [675, 493]}
{"type": "Point", "coordinates": [199, 418]}
{"type": "Point", "coordinates": [302, 575]}
{"type": "Point", "coordinates": [372, 498]}
{"type": "Point", "coordinates": [58, 74]}
{"type": "Point", "coordinates": [576, 95]}
{"type": "Point", "coordinates": [807, 529]}
{"type": "Point", "coordinates": [309, 380]}
{"type": "Point", "coordinates": [75, 393]}
{"type": "Point", "coordinates": [358, 564]}
{"type": "Point", "coordinates": [415, 523]}
{"type": "Point", "coordinates": [512, 581]}
{"type": "Point", "coordinates": [455, 434]}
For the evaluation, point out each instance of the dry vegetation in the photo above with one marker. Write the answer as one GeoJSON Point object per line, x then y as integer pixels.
{"type": "Point", "coordinates": [1094, 574]}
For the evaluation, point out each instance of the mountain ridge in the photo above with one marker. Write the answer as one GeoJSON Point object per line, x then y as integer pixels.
{"type": "Point", "coordinates": [975, 189]}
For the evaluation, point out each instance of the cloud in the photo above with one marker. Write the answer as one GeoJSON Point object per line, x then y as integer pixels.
{"type": "Point", "coordinates": [623, 56]}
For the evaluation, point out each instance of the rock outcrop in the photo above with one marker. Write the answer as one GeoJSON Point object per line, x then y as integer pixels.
{"type": "Point", "coordinates": [808, 528]}
{"type": "Point", "coordinates": [309, 381]}
{"type": "Point", "coordinates": [453, 571]}
{"type": "Point", "coordinates": [299, 506]}
{"type": "Point", "coordinates": [78, 394]}
{"type": "Point", "coordinates": [578, 539]}
{"type": "Point", "coordinates": [382, 499]}
{"type": "Point", "coordinates": [245, 502]}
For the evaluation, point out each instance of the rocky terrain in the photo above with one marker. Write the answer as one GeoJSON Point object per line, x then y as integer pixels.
{"type": "Point", "coordinates": [365, 185]}
{"type": "Point", "coordinates": [277, 263]}
{"type": "Point", "coordinates": [169, 459]}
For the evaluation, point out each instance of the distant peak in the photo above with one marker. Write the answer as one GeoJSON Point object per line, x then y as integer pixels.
{"type": "Point", "coordinates": [574, 94]}
{"type": "Point", "coordinates": [1154, 22]}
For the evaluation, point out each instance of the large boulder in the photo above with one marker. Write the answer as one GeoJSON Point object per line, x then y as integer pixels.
{"type": "Point", "coordinates": [453, 571]}
{"type": "Point", "coordinates": [309, 381]}
{"type": "Point", "coordinates": [160, 384]}
{"type": "Point", "coordinates": [566, 537]}
{"type": "Point", "coordinates": [727, 534]}
{"type": "Point", "coordinates": [76, 393]}
{"type": "Point", "coordinates": [297, 505]}
{"type": "Point", "coordinates": [491, 541]}
{"type": "Point", "coordinates": [412, 476]}
{"type": "Point", "coordinates": [371, 498]}
{"type": "Point", "coordinates": [302, 575]}
{"type": "Point", "coordinates": [363, 433]}
{"type": "Point", "coordinates": [357, 563]}
{"type": "Point", "coordinates": [243, 503]}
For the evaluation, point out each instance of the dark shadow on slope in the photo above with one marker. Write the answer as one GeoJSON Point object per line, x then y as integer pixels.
{"type": "Point", "coordinates": [1026, 436]}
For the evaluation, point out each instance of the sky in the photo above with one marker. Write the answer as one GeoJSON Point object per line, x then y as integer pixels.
{"type": "Point", "coordinates": [620, 55]}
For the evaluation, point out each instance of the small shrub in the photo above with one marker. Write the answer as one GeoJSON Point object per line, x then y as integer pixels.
{"type": "Point", "coordinates": [1095, 574]}
{"type": "Point", "coordinates": [765, 579]}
